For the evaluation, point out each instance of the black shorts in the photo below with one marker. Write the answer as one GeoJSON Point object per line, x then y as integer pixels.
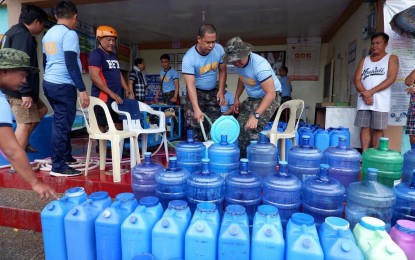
{"type": "Point", "coordinates": [102, 119]}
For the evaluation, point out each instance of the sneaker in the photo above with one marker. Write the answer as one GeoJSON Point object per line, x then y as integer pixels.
{"type": "Point", "coordinates": [71, 160]}
{"type": "Point", "coordinates": [68, 172]}
{"type": "Point", "coordinates": [31, 149]}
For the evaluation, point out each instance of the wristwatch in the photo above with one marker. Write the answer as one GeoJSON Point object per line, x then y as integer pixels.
{"type": "Point", "coordinates": [257, 115]}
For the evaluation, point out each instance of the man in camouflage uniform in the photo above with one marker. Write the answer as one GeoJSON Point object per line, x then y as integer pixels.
{"type": "Point", "coordinates": [262, 86]}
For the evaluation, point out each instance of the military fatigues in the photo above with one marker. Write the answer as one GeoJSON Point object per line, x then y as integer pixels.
{"type": "Point", "coordinates": [167, 97]}
{"type": "Point", "coordinates": [209, 105]}
{"type": "Point", "coordinates": [245, 111]}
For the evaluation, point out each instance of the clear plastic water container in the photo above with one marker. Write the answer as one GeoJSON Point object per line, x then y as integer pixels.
{"type": "Point", "coordinates": [190, 153]}
{"type": "Point", "coordinates": [171, 183]}
{"type": "Point", "coordinates": [233, 240]}
{"type": "Point", "coordinates": [282, 190]}
{"type": "Point", "coordinates": [262, 156]}
{"type": "Point", "coordinates": [108, 226]}
{"type": "Point", "coordinates": [267, 234]}
{"type": "Point", "coordinates": [369, 198]}
{"type": "Point", "coordinates": [201, 239]}
{"type": "Point", "coordinates": [405, 201]}
{"type": "Point", "coordinates": [403, 234]}
{"type": "Point", "coordinates": [137, 227]}
{"type": "Point", "coordinates": [344, 162]}
{"type": "Point", "coordinates": [336, 133]}
{"type": "Point", "coordinates": [52, 218]}
{"type": "Point", "coordinates": [80, 226]}
{"type": "Point", "coordinates": [337, 240]}
{"type": "Point", "coordinates": [408, 166]}
{"type": "Point", "coordinates": [322, 196]}
{"type": "Point", "coordinates": [244, 188]}
{"type": "Point", "coordinates": [143, 175]}
{"type": "Point", "coordinates": [205, 186]}
{"type": "Point", "coordinates": [224, 157]}
{"type": "Point", "coordinates": [304, 160]}
{"type": "Point", "coordinates": [168, 235]}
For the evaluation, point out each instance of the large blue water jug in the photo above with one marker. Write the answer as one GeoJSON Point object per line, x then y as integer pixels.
{"type": "Point", "coordinates": [267, 235]}
{"type": "Point", "coordinates": [262, 156]}
{"type": "Point", "coordinates": [304, 160]}
{"type": "Point", "coordinates": [224, 157]}
{"type": "Point", "coordinates": [52, 216]}
{"type": "Point", "coordinates": [301, 238]}
{"type": "Point", "coordinates": [321, 139]}
{"type": "Point", "coordinates": [80, 226]}
{"type": "Point", "coordinates": [337, 240]}
{"type": "Point", "coordinates": [201, 240]}
{"type": "Point", "coordinates": [168, 234]}
{"type": "Point", "coordinates": [369, 198]}
{"type": "Point", "coordinates": [308, 131]}
{"type": "Point", "coordinates": [282, 190]}
{"type": "Point", "coordinates": [143, 175]}
{"type": "Point", "coordinates": [205, 185]}
{"type": "Point", "coordinates": [171, 183]}
{"type": "Point", "coordinates": [243, 187]}
{"type": "Point", "coordinates": [190, 153]}
{"type": "Point", "coordinates": [108, 226]}
{"type": "Point", "coordinates": [408, 166]}
{"type": "Point", "coordinates": [234, 234]}
{"type": "Point", "coordinates": [336, 133]}
{"type": "Point", "coordinates": [344, 162]}
{"type": "Point", "coordinates": [405, 201]}
{"type": "Point", "coordinates": [322, 196]}
{"type": "Point", "coordinates": [137, 227]}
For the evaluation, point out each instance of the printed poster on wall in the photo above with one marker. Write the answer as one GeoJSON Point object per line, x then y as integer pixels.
{"type": "Point", "coordinates": [275, 58]}
{"type": "Point", "coordinates": [303, 58]}
{"type": "Point", "coordinates": [404, 48]}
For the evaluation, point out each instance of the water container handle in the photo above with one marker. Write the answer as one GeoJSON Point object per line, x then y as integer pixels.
{"type": "Point", "coordinates": [63, 198]}
{"type": "Point", "coordinates": [116, 204]}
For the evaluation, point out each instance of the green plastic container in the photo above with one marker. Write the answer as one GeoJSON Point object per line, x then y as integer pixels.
{"type": "Point", "coordinates": [388, 162]}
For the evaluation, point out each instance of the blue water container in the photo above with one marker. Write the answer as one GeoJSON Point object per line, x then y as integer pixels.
{"type": "Point", "coordinates": [303, 131]}
{"type": "Point", "coordinates": [337, 240]}
{"type": "Point", "coordinates": [201, 240]}
{"type": "Point", "coordinates": [108, 226]}
{"type": "Point", "coordinates": [234, 234]}
{"type": "Point", "coordinates": [267, 235]}
{"type": "Point", "coordinates": [243, 187]}
{"type": "Point", "coordinates": [137, 227]}
{"type": "Point", "coordinates": [301, 239]}
{"type": "Point", "coordinates": [336, 133]}
{"type": "Point", "coordinates": [171, 183]}
{"type": "Point", "coordinates": [369, 198]}
{"type": "Point", "coordinates": [224, 157]}
{"type": "Point", "coordinates": [322, 196]}
{"type": "Point", "coordinates": [80, 226]}
{"type": "Point", "coordinates": [204, 186]}
{"type": "Point", "coordinates": [143, 176]}
{"type": "Point", "coordinates": [408, 166]}
{"type": "Point", "coordinates": [52, 216]}
{"type": "Point", "coordinates": [190, 153]}
{"type": "Point", "coordinates": [168, 234]}
{"type": "Point", "coordinates": [282, 190]}
{"type": "Point", "coordinates": [321, 139]}
{"type": "Point", "coordinates": [304, 160]}
{"type": "Point", "coordinates": [344, 162]}
{"type": "Point", "coordinates": [262, 156]}
{"type": "Point", "coordinates": [405, 201]}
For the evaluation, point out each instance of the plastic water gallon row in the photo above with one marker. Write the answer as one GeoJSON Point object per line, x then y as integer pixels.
{"type": "Point", "coordinates": [94, 227]}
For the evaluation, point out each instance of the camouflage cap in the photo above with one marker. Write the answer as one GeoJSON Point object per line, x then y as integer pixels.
{"type": "Point", "coordinates": [236, 49]}
{"type": "Point", "coordinates": [15, 59]}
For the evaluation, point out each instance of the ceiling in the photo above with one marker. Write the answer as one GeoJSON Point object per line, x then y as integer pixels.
{"type": "Point", "coordinates": [155, 21]}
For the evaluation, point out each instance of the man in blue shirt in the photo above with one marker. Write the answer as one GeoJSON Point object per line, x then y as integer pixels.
{"type": "Point", "coordinates": [61, 81]}
{"type": "Point", "coordinates": [286, 92]}
{"type": "Point", "coordinates": [169, 86]}
{"type": "Point", "coordinates": [262, 86]}
{"type": "Point", "coordinates": [14, 67]}
{"type": "Point", "coordinates": [200, 68]}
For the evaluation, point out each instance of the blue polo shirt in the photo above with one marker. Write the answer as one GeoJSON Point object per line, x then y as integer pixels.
{"type": "Point", "coordinates": [168, 81]}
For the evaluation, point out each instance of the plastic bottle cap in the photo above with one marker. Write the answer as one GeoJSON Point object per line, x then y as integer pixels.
{"type": "Point", "coordinates": [346, 246]}
{"type": "Point", "coordinates": [406, 226]}
{"type": "Point", "coordinates": [106, 214]}
{"type": "Point", "coordinates": [165, 223]}
{"type": "Point", "coordinates": [337, 223]}
{"type": "Point", "coordinates": [51, 207]}
{"type": "Point", "coordinates": [124, 197]}
{"type": "Point", "coordinates": [149, 201]}
{"type": "Point", "coordinates": [133, 219]}
{"type": "Point", "coordinates": [75, 192]}
{"type": "Point", "coordinates": [306, 243]}
{"type": "Point", "coordinates": [302, 218]}
{"type": "Point", "coordinates": [391, 249]}
{"type": "Point", "coordinates": [200, 227]}
{"type": "Point", "coordinates": [99, 195]}
{"type": "Point", "coordinates": [233, 230]}
{"type": "Point", "coordinates": [372, 223]}
{"type": "Point", "coordinates": [268, 232]}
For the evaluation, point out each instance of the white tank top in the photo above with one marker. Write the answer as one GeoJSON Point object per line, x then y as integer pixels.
{"type": "Point", "coordinates": [373, 74]}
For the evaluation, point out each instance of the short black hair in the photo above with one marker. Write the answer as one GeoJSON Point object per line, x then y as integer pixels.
{"type": "Point", "coordinates": [380, 34]}
{"type": "Point", "coordinates": [165, 57]}
{"type": "Point", "coordinates": [29, 13]}
{"type": "Point", "coordinates": [138, 61]}
{"type": "Point", "coordinates": [284, 68]}
{"type": "Point", "coordinates": [65, 9]}
{"type": "Point", "coordinates": [206, 28]}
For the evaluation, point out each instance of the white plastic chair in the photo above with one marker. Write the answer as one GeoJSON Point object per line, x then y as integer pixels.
{"type": "Point", "coordinates": [133, 123]}
{"type": "Point", "coordinates": [296, 107]}
{"type": "Point", "coordinates": [113, 135]}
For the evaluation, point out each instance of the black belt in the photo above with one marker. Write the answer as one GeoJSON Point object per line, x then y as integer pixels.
{"type": "Point", "coordinates": [206, 91]}
{"type": "Point", "coordinates": [253, 98]}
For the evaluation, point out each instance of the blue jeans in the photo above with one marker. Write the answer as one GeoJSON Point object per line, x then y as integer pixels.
{"type": "Point", "coordinates": [62, 98]}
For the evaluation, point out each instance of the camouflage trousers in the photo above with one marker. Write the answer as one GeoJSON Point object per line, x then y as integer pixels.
{"type": "Point", "coordinates": [209, 105]}
{"type": "Point", "coordinates": [246, 110]}
{"type": "Point", "coordinates": [166, 98]}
